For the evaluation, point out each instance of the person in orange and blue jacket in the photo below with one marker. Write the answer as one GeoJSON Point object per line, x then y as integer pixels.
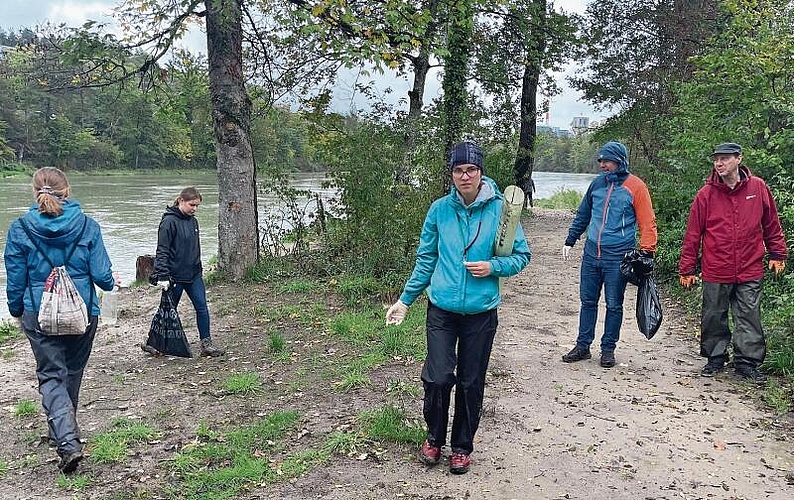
{"type": "Point", "coordinates": [734, 221]}
{"type": "Point", "coordinates": [615, 205]}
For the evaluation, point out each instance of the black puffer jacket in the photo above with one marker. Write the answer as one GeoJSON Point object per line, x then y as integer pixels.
{"type": "Point", "coordinates": [178, 256]}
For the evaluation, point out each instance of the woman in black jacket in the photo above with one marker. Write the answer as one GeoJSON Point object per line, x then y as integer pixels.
{"type": "Point", "coordinates": [177, 262]}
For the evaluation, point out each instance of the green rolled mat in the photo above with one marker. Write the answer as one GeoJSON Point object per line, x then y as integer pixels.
{"type": "Point", "coordinates": [508, 222]}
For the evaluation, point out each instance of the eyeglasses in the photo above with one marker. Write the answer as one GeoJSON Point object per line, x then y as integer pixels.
{"type": "Point", "coordinates": [468, 172]}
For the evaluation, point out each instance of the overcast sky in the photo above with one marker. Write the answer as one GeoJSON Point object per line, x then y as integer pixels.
{"type": "Point", "coordinates": [27, 13]}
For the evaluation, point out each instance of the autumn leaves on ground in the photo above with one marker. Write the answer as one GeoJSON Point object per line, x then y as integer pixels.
{"type": "Point", "coordinates": [317, 398]}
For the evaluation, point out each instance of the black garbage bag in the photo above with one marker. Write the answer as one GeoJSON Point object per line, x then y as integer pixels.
{"type": "Point", "coordinates": [649, 308]}
{"type": "Point", "coordinates": [166, 335]}
{"type": "Point", "coordinates": [636, 265]}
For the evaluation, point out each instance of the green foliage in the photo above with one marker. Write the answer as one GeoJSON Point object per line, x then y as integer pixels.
{"type": "Point", "coordinates": [245, 384]}
{"type": "Point", "coordinates": [391, 424]}
{"type": "Point", "coordinates": [778, 397]}
{"type": "Point", "coordinates": [358, 289]}
{"type": "Point", "coordinates": [26, 408]}
{"type": "Point", "coordinates": [221, 467]}
{"type": "Point", "coordinates": [77, 482]}
{"type": "Point", "coordinates": [113, 445]}
{"type": "Point", "coordinates": [563, 198]}
{"type": "Point", "coordinates": [298, 285]}
{"type": "Point", "coordinates": [277, 342]}
{"type": "Point", "coordinates": [9, 331]}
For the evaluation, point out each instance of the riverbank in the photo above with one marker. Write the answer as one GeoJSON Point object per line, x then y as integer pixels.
{"type": "Point", "coordinates": [317, 398]}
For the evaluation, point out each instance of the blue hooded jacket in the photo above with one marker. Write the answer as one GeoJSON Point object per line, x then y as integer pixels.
{"type": "Point", "coordinates": [27, 270]}
{"type": "Point", "coordinates": [454, 233]}
{"type": "Point", "coordinates": [615, 205]}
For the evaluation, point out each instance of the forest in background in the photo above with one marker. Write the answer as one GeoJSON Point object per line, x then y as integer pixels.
{"type": "Point", "coordinates": [682, 76]}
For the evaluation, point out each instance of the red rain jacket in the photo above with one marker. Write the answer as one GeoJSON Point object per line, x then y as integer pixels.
{"type": "Point", "coordinates": [735, 228]}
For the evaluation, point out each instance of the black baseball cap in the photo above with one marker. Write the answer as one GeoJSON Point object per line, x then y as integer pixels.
{"type": "Point", "coordinates": [727, 148]}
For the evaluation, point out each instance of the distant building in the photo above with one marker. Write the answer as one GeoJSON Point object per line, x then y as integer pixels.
{"type": "Point", "coordinates": [580, 124]}
{"type": "Point", "coordinates": [556, 131]}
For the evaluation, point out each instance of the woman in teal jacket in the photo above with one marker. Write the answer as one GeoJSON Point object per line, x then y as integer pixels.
{"type": "Point", "coordinates": [456, 264]}
{"type": "Point", "coordinates": [58, 226]}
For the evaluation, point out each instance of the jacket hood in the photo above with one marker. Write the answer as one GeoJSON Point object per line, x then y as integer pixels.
{"type": "Point", "coordinates": [488, 190]}
{"type": "Point", "coordinates": [615, 151]}
{"type": "Point", "coordinates": [60, 231]}
{"type": "Point", "coordinates": [715, 179]}
{"type": "Point", "coordinates": [172, 211]}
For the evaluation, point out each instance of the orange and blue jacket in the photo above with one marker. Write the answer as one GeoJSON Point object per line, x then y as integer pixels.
{"type": "Point", "coordinates": [616, 205]}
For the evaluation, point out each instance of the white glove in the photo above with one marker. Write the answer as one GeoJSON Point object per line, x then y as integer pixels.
{"type": "Point", "coordinates": [396, 313]}
{"type": "Point", "coordinates": [165, 285]}
{"type": "Point", "coordinates": [566, 252]}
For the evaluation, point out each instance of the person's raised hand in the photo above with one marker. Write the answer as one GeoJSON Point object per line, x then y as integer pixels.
{"type": "Point", "coordinates": [164, 285]}
{"type": "Point", "coordinates": [566, 252]}
{"type": "Point", "coordinates": [396, 313]}
{"type": "Point", "coordinates": [778, 266]}
{"type": "Point", "coordinates": [687, 280]}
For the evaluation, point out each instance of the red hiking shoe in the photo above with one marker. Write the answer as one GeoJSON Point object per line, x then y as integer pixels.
{"type": "Point", "coordinates": [429, 454]}
{"type": "Point", "coordinates": [459, 463]}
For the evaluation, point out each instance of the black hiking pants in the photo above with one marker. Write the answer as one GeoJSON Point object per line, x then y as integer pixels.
{"type": "Point", "coordinates": [458, 351]}
{"type": "Point", "coordinates": [60, 362]}
{"type": "Point", "coordinates": [744, 300]}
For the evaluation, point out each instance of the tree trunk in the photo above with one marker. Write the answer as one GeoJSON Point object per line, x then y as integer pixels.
{"type": "Point", "coordinates": [455, 74]}
{"type": "Point", "coordinates": [238, 230]}
{"type": "Point", "coordinates": [534, 53]}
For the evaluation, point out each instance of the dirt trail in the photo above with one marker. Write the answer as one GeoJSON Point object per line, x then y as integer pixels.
{"type": "Point", "coordinates": [649, 428]}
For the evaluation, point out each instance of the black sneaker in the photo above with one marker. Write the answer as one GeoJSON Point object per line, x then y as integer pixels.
{"type": "Point", "coordinates": [751, 374]}
{"type": "Point", "coordinates": [608, 359]}
{"type": "Point", "coordinates": [712, 368]}
{"type": "Point", "coordinates": [69, 462]}
{"type": "Point", "coordinates": [576, 354]}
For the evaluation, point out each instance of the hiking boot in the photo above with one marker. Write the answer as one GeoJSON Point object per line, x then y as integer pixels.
{"type": "Point", "coordinates": [69, 463]}
{"type": "Point", "coordinates": [608, 359]}
{"type": "Point", "coordinates": [207, 349]}
{"type": "Point", "coordinates": [459, 463]}
{"type": "Point", "coordinates": [576, 354]}
{"type": "Point", "coordinates": [429, 454]}
{"type": "Point", "coordinates": [751, 374]}
{"type": "Point", "coordinates": [712, 368]}
{"type": "Point", "coordinates": [151, 350]}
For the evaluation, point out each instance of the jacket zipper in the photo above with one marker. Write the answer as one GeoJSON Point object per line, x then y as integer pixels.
{"type": "Point", "coordinates": [603, 220]}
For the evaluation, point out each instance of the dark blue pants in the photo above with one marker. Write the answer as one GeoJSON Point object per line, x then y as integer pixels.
{"type": "Point", "coordinates": [464, 368]}
{"type": "Point", "coordinates": [596, 274]}
{"type": "Point", "coordinates": [197, 293]}
{"type": "Point", "coordinates": [60, 362]}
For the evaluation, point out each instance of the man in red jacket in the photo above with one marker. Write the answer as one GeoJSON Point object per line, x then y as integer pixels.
{"type": "Point", "coordinates": [735, 220]}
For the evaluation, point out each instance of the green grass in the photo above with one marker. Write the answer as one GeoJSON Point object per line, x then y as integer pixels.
{"type": "Point", "coordinates": [245, 384]}
{"type": "Point", "coordinates": [298, 286]}
{"type": "Point", "coordinates": [3, 468]}
{"type": "Point", "coordinates": [357, 327]}
{"type": "Point", "coordinates": [75, 483]}
{"type": "Point", "coordinates": [277, 342]}
{"type": "Point", "coordinates": [777, 397]}
{"type": "Point", "coordinates": [389, 423]}
{"type": "Point", "coordinates": [113, 446]}
{"type": "Point", "coordinates": [358, 289]}
{"type": "Point", "coordinates": [345, 443]}
{"type": "Point", "coordinates": [26, 408]}
{"type": "Point", "coordinates": [561, 199]}
{"type": "Point", "coordinates": [401, 389]}
{"type": "Point", "coordinates": [9, 331]}
{"type": "Point", "coordinates": [222, 464]}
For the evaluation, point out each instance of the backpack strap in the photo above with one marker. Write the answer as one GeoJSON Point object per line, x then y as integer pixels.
{"type": "Point", "coordinates": [66, 261]}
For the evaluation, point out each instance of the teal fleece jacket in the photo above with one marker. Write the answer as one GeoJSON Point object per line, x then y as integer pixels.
{"type": "Point", "coordinates": [453, 233]}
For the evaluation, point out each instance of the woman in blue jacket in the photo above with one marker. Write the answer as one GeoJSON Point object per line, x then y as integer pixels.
{"type": "Point", "coordinates": [456, 264]}
{"type": "Point", "coordinates": [177, 262]}
{"type": "Point", "coordinates": [58, 226]}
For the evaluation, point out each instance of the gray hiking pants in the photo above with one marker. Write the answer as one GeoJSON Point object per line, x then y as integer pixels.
{"type": "Point", "coordinates": [60, 361]}
{"type": "Point", "coordinates": [744, 300]}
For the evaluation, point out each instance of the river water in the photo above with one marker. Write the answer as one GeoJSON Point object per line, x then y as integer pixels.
{"type": "Point", "coordinates": [129, 208]}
